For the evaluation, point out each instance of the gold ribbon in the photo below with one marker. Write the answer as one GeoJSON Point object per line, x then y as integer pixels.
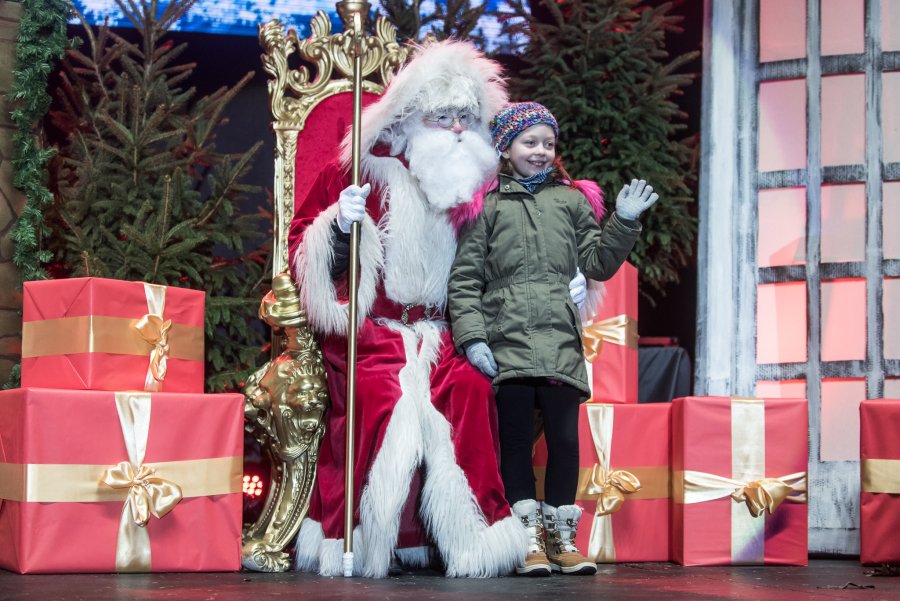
{"type": "Point", "coordinates": [880, 476]}
{"type": "Point", "coordinates": [621, 330]}
{"type": "Point", "coordinates": [655, 482]}
{"type": "Point", "coordinates": [762, 495]}
{"type": "Point", "coordinates": [102, 334]}
{"type": "Point", "coordinates": [611, 489]}
{"type": "Point", "coordinates": [80, 483]}
{"type": "Point", "coordinates": [149, 335]}
{"type": "Point", "coordinates": [612, 486]}
{"type": "Point", "coordinates": [156, 332]}
{"type": "Point", "coordinates": [151, 489]}
{"type": "Point", "coordinates": [146, 494]}
{"type": "Point", "coordinates": [748, 484]}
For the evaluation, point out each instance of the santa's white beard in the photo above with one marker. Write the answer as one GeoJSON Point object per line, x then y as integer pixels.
{"type": "Point", "coordinates": [449, 167]}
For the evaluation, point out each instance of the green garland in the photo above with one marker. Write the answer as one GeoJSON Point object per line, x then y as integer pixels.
{"type": "Point", "coordinates": [42, 41]}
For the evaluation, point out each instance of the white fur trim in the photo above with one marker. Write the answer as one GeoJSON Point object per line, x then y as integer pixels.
{"type": "Point", "coordinates": [315, 553]}
{"type": "Point", "coordinates": [414, 557]}
{"type": "Point", "coordinates": [307, 546]}
{"type": "Point", "coordinates": [451, 513]}
{"type": "Point", "coordinates": [313, 260]}
{"type": "Point", "coordinates": [389, 478]}
{"type": "Point", "coordinates": [417, 432]}
{"type": "Point", "coordinates": [593, 300]}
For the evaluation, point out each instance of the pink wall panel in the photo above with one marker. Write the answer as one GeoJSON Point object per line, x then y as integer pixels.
{"type": "Point", "coordinates": [843, 320]}
{"type": "Point", "coordinates": [843, 223]}
{"type": "Point", "coordinates": [839, 439]}
{"type": "Point", "coordinates": [891, 388]}
{"type": "Point", "coordinates": [843, 119]}
{"type": "Point", "coordinates": [842, 27]}
{"type": "Point", "coordinates": [890, 219]}
{"type": "Point", "coordinates": [781, 323]}
{"type": "Point", "coordinates": [890, 115]}
{"type": "Point", "coordinates": [782, 125]}
{"type": "Point", "coordinates": [782, 30]}
{"type": "Point", "coordinates": [891, 309]}
{"type": "Point", "coordinates": [890, 25]}
{"type": "Point", "coordinates": [781, 237]}
{"type": "Point", "coordinates": [787, 389]}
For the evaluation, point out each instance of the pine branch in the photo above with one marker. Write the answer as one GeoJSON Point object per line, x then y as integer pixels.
{"type": "Point", "coordinates": [601, 67]}
{"type": "Point", "coordinates": [143, 194]}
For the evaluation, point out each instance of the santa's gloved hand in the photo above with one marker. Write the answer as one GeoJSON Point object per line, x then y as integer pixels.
{"type": "Point", "coordinates": [578, 289]}
{"type": "Point", "coordinates": [480, 355]}
{"type": "Point", "coordinates": [351, 206]}
{"type": "Point", "coordinates": [635, 199]}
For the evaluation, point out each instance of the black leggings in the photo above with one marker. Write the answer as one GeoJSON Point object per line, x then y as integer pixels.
{"type": "Point", "coordinates": [516, 402]}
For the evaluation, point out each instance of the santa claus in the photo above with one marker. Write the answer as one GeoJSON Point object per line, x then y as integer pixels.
{"type": "Point", "coordinates": [422, 410]}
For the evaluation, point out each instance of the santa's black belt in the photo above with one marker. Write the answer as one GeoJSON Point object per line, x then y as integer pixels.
{"type": "Point", "coordinates": [407, 314]}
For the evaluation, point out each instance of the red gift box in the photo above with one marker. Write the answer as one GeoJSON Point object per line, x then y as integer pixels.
{"type": "Point", "coordinates": [879, 501]}
{"type": "Point", "coordinates": [610, 341]}
{"type": "Point", "coordinates": [623, 483]}
{"type": "Point", "coordinates": [80, 469]}
{"type": "Point", "coordinates": [99, 334]}
{"type": "Point", "coordinates": [739, 471]}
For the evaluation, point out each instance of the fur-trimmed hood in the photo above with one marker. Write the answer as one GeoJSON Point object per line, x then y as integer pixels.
{"type": "Point", "coordinates": [466, 214]}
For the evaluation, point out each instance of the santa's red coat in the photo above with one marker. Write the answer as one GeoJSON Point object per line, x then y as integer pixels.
{"type": "Point", "coordinates": [424, 418]}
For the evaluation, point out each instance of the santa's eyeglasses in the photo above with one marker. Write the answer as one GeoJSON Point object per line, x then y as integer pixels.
{"type": "Point", "coordinates": [446, 120]}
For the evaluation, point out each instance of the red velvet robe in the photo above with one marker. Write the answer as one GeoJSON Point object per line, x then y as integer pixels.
{"type": "Point", "coordinates": [418, 405]}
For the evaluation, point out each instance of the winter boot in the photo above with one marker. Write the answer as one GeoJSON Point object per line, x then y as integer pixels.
{"type": "Point", "coordinates": [560, 524]}
{"type": "Point", "coordinates": [536, 563]}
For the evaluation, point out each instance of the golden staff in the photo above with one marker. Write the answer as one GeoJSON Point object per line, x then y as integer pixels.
{"type": "Point", "coordinates": [354, 14]}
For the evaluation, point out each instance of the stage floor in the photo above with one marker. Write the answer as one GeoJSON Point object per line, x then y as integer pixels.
{"type": "Point", "coordinates": [823, 579]}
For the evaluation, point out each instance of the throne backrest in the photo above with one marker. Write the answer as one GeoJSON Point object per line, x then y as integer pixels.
{"type": "Point", "coordinates": [311, 111]}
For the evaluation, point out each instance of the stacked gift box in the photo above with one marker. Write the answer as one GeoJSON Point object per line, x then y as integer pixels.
{"type": "Point", "coordinates": [700, 481]}
{"type": "Point", "coordinates": [624, 448]}
{"type": "Point", "coordinates": [879, 504]}
{"type": "Point", "coordinates": [111, 457]}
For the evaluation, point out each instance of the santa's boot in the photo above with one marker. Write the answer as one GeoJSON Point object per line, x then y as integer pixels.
{"type": "Point", "coordinates": [536, 563]}
{"type": "Point", "coordinates": [560, 524]}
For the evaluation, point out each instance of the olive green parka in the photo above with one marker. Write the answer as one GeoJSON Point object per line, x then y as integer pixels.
{"type": "Point", "coordinates": [509, 285]}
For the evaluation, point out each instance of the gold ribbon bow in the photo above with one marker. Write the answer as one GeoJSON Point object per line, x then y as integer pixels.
{"type": "Point", "coordinates": [611, 489]}
{"type": "Point", "coordinates": [764, 494]}
{"type": "Point", "coordinates": [621, 330]}
{"type": "Point", "coordinates": [155, 331]}
{"type": "Point", "coordinates": [148, 495]}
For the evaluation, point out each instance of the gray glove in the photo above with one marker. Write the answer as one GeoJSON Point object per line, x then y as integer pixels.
{"type": "Point", "coordinates": [578, 289]}
{"type": "Point", "coordinates": [351, 206]}
{"type": "Point", "coordinates": [480, 355]}
{"type": "Point", "coordinates": [635, 199]}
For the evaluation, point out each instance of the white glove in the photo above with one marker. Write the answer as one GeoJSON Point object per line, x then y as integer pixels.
{"type": "Point", "coordinates": [578, 289]}
{"type": "Point", "coordinates": [352, 206]}
{"type": "Point", "coordinates": [480, 355]}
{"type": "Point", "coordinates": [635, 199]}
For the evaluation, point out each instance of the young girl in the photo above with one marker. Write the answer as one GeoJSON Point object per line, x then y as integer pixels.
{"type": "Point", "coordinates": [512, 315]}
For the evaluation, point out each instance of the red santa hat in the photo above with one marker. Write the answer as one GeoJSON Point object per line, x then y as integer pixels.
{"type": "Point", "coordinates": [441, 75]}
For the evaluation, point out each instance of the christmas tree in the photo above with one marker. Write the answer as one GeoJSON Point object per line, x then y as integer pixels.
{"type": "Point", "coordinates": [601, 68]}
{"type": "Point", "coordinates": [456, 18]}
{"type": "Point", "coordinates": [141, 192]}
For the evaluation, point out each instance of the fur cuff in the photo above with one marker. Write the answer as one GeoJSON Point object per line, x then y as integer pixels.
{"type": "Point", "coordinates": [593, 301]}
{"type": "Point", "coordinates": [312, 271]}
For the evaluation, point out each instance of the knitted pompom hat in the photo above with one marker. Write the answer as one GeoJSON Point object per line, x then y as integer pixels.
{"type": "Point", "coordinates": [516, 118]}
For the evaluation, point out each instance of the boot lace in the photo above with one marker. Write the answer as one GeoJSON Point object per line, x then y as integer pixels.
{"type": "Point", "coordinates": [566, 537]}
{"type": "Point", "coordinates": [534, 525]}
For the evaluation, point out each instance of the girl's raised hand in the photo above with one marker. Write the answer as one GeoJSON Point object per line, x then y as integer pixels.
{"type": "Point", "coordinates": [634, 199]}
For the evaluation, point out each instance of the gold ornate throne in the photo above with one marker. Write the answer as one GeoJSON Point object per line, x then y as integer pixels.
{"type": "Point", "coordinates": [287, 398]}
